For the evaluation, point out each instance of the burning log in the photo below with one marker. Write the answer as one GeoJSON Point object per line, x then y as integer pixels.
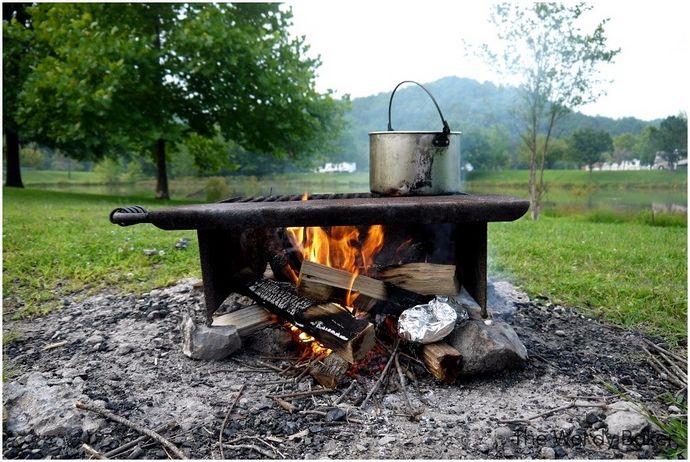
{"type": "Point", "coordinates": [330, 324]}
{"type": "Point", "coordinates": [442, 360]}
{"type": "Point", "coordinates": [318, 281]}
{"type": "Point", "coordinates": [329, 371]}
{"type": "Point", "coordinates": [423, 278]}
{"type": "Point", "coordinates": [247, 320]}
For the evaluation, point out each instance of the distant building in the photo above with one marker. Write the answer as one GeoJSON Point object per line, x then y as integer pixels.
{"type": "Point", "coordinates": [341, 167]}
{"type": "Point", "coordinates": [615, 166]}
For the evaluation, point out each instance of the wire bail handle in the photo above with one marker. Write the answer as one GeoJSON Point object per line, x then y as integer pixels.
{"type": "Point", "coordinates": [440, 140]}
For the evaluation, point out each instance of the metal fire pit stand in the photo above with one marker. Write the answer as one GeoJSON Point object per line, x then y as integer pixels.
{"type": "Point", "coordinates": [225, 229]}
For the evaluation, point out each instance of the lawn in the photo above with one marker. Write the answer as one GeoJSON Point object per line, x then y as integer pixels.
{"type": "Point", "coordinates": [633, 274]}
{"type": "Point", "coordinates": [57, 244]}
{"type": "Point", "coordinates": [569, 179]}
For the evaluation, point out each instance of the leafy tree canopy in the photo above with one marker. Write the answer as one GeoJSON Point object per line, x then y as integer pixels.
{"type": "Point", "coordinates": [587, 146]}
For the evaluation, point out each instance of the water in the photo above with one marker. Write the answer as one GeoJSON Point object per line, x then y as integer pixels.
{"type": "Point", "coordinates": [562, 201]}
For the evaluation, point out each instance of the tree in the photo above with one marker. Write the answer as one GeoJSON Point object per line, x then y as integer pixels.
{"type": "Point", "coordinates": [588, 145]}
{"type": "Point", "coordinates": [544, 51]}
{"type": "Point", "coordinates": [672, 139]}
{"type": "Point", "coordinates": [145, 76]}
{"type": "Point", "coordinates": [624, 147]}
{"type": "Point", "coordinates": [17, 37]}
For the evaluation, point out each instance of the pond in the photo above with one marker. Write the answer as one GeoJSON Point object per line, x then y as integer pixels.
{"type": "Point", "coordinates": [559, 200]}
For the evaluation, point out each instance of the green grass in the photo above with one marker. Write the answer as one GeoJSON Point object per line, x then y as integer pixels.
{"type": "Point", "coordinates": [55, 244]}
{"type": "Point", "coordinates": [569, 179]}
{"type": "Point", "coordinates": [633, 274]}
{"type": "Point", "coordinates": [34, 177]}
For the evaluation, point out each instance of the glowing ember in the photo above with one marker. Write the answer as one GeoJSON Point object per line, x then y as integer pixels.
{"type": "Point", "coordinates": [302, 337]}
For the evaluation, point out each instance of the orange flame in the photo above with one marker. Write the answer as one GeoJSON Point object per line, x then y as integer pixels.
{"type": "Point", "coordinates": [338, 247]}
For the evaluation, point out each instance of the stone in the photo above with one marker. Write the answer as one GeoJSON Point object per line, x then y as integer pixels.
{"type": "Point", "coordinates": [625, 419]}
{"type": "Point", "coordinates": [335, 415]}
{"type": "Point", "coordinates": [560, 333]}
{"type": "Point", "coordinates": [94, 339]}
{"type": "Point", "coordinates": [46, 410]}
{"type": "Point", "coordinates": [360, 447]}
{"type": "Point", "coordinates": [487, 347]}
{"type": "Point", "coordinates": [386, 440]}
{"type": "Point", "coordinates": [547, 453]}
{"type": "Point", "coordinates": [674, 409]}
{"type": "Point", "coordinates": [560, 452]}
{"type": "Point", "coordinates": [591, 418]}
{"type": "Point", "coordinates": [502, 433]}
{"type": "Point", "coordinates": [208, 343]}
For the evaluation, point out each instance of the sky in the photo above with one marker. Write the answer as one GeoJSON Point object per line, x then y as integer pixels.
{"type": "Point", "coordinates": [368, 47]}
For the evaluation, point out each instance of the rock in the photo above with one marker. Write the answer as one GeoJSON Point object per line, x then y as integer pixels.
{"type": "Point", "coordinates": [625, 419]}
{"type": "Point", "coordinates": [335, 414]}
{"type": "Point", "coordinates": [94, 339]}
{"type": "Point", "coordinates": [386, 440]}
{"type": "Point", "coordinates": [487, 348]}
{"type": "Point", "coordinates": [591, 418]}
{"type": "Point", "coordinates": [208, 343]}
{"type": "Point", "coordinates": [46, 410]}
{"type": "Point", "coordinates": [502, 433]}
{"type": "Point", "coordinates": [547, 453]}
{"type": "Point", "coordinates": [559, 452]}
{"type": "Point", "coordinates": [560, 333]}
{"type": "Point", "coordinates": [674, 409]}
{"type": "Point", "coordinates": [360, 447]}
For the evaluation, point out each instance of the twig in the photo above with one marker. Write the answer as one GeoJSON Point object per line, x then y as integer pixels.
{"type": "Point", "coordinates": [133, 443]}
{"type": "Point", "coordinates": [260, 440]}
{"type": "Point", "coordinates": [55, 345]}
{"type": "Point", "coordinates": [254, 447]}
{"type": "Point", "coordinates": [150, 433]}
{"type": "Point", "coordinates": [324, 414]}
{"type": "Point", "coordinates": [663, 350]}
{"type": "Point", "coordinates": [225, 420]}
{"type": "Point", "coordinates": [301, 394]}
{"type": "Point", "coordinates": [671, 377]}
{"type": "Point", "coordinates": [550, 412]}
{"type": "Point", "coordinates": [401, 378]}
{"type": "Point", "coordinates": [345, 393]}
{"type": "Point", "coordinates": [271, 366]}
{"type": "Point", "coordinates": [92, 452]}
{"type": "Point", "coordinates": [383, 374]}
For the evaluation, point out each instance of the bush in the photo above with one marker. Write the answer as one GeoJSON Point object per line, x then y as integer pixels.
{"type": "Point", "coordinates": [108, 170]}
{"type": "Point", "coordinates": [216, 189]}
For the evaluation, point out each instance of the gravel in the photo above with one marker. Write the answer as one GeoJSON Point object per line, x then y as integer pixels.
{"type": "Point", "coordinates": [139, 372]}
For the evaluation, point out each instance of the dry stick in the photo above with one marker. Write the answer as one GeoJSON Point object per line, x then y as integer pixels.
{"type": "Point", "coordinates": [271, 366]}
{"type": "Point", "coordinates": [150, 433]}
{"type": "Point", "coordinates": [324, 414]}
{"type": "Point", "coordinates": [254, 447]}
{"type": "Point", "coordinates": [225, 420]}
{"type": "Point", "coordinates": [679, 372]}
{"type": "Point", "coordinates": [302, 394]}
{"type": "Point", "coordinates": [663, 350]}
{"type": "Point", "coordinates": [92, 452]}
{"type": "Point", "coordinates": [671, 376]}
{"type": "Point", "coordinates": [345, 393]}
{"type": "Point", "coordinates": [401, 378]}
{"type": "Point", "coordinates": [383, 374]}
{"type": "Point", "coordinates": [55, 345]}
{"type": "Point", "coordinates": [133, 443]}
{"type": "Point", "coordinates": [553, 411]}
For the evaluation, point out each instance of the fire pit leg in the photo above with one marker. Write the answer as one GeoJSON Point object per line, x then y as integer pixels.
{"type": "Point", "coordinates": [228, 256]}
{"type": "Point", "coordinates": [470, 251]}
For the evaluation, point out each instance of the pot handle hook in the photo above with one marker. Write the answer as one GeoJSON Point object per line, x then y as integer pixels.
{"type": "Point", "coordinates": [441, 139]}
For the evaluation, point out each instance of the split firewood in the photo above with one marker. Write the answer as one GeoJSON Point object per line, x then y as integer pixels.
{"type": "Point", "coordinates": [330, 324]}
{"type": "Point", "coordinates": [442, 360]}
{"type": "Point", "coordinates": [423, 278]}
{"type": "Point", "coordinates": [330, 371]}
{"type": "Point", "coordinates": [247, 320]}
{"type": "Point", "coordinates": [314, 276]}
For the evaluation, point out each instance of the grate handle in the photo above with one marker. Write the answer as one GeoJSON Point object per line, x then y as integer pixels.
{"type": "Point", "coordinates": [132, 215]}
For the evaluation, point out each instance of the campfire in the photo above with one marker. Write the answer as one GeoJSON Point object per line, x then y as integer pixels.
{"type": "Point", "coordinates": [360, 281]}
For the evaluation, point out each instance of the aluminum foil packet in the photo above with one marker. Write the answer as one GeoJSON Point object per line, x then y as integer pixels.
{"type": "Point", "coordinates": [428, 323]}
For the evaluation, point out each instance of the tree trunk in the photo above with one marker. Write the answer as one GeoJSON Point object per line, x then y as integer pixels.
{"type": "Point", "coordinates": [14, 172]}
{"type": "Point", "coordinates": [162, 191]}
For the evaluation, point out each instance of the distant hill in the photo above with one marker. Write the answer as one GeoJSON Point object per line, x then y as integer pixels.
{"type": "Point", "coordinates": [467, 105]}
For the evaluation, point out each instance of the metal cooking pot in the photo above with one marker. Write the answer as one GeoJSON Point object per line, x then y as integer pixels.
{"type": "Point", "coordinates": [414, 163]}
